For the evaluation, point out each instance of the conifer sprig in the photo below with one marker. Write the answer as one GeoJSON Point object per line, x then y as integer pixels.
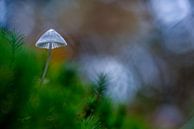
{"type": "Point", "coordinates": [15, 40]}
{"type": "Point", "coordinates": [90, 123]}
{"type": "Point", "coordinates": [101, 85]}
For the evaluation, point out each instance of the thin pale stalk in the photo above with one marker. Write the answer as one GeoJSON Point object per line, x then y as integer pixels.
{"type": "Point", "coordinates": [46, 65]}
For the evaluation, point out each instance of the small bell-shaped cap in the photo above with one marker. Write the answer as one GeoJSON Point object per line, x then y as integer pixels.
{"type": "Point", "coordinates": [51, 37]}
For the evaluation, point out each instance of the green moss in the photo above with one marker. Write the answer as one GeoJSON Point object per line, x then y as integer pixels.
{"type": "Point", "coordinates": [64, 101]}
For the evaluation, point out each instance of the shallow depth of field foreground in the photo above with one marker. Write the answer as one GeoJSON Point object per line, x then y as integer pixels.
{"type": "Point", "coordinates": [96, 64]}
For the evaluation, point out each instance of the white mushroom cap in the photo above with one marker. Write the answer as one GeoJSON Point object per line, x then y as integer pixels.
{"type": "Point", "coordinates": [51, 37]}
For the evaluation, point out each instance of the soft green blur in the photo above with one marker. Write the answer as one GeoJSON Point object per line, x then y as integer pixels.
{"type": "Point", "coordinates": [64, 101]}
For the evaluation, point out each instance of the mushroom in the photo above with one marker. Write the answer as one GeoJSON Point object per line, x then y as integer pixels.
{"type": "Point", "coordinates": [49, 40]}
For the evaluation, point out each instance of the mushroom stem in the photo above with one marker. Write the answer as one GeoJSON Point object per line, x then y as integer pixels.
{"type": "Point", "coordinates": [46, 65]}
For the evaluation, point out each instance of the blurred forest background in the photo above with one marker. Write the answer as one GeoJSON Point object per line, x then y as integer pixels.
{"type": "Point", "coordinates": [129, 64]}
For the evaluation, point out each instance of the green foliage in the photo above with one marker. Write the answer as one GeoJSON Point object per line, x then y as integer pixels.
{"type": "Point", "coordinates": [64, 101]}
{"type": "Point", "coordinates": [16, 77]}
{"type": "Point", "coordinates": [14, 39]}
{"type": "Point", "coordinates": [90, 123]}
{"type": "Point", "coordinates": [101, 85]}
